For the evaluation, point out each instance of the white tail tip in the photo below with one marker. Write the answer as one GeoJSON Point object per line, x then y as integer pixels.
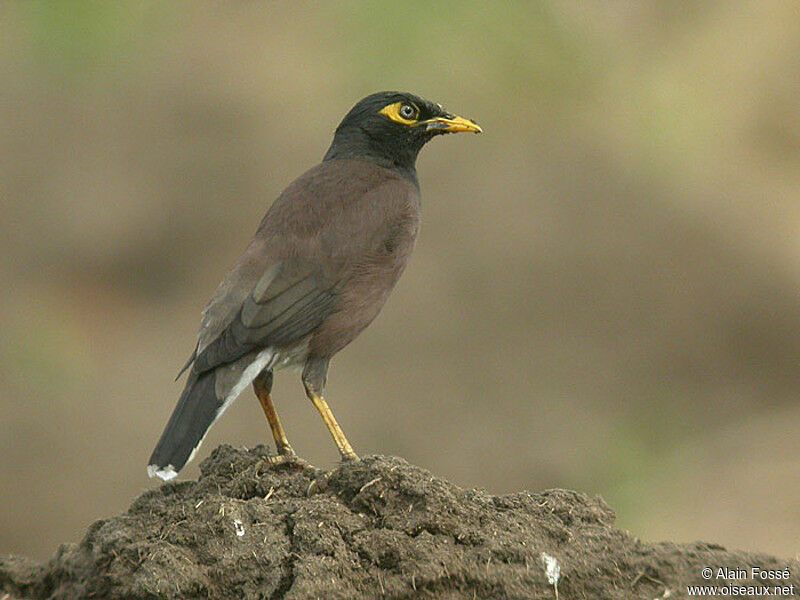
{"type": "Point", "coordinates": [165, 473]}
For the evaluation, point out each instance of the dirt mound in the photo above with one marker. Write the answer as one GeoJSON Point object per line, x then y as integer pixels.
{"type": "Point", "coordinates": [382, 528]}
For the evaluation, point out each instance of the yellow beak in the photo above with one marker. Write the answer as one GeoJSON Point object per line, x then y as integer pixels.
{"type": "Point", "coordinates": [452, 124]}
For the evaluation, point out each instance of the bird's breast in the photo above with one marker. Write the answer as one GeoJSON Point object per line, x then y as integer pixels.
{"type": "Point", "coordinates": [367, 287]}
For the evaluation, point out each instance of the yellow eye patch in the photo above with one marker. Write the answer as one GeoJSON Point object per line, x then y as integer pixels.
{"type": "Point", "coordinates": [393, 112]}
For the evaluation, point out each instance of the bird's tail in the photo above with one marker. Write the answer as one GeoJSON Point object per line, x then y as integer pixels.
{"type": "Point", "coordinates": [196, 411]}
{"type": "Point", "coordinates": [204, 399]}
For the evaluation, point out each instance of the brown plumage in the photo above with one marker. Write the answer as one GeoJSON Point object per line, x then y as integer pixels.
{"type": "Point", "coordinates": [319, 269]}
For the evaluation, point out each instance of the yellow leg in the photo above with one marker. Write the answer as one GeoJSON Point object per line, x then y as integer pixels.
{"type": "Point", "coordinates": [345, 449]}
{"type": "Point", "coordinates": [262, 389]}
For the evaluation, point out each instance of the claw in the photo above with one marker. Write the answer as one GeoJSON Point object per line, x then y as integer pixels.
{"type": "Point", "coordinates": [290, 458]}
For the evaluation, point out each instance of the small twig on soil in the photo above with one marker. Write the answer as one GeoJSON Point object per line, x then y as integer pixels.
{"type": "Point", "coordinates": [644, 575]}
{"type": "Point", "coordinates": [369, 483]}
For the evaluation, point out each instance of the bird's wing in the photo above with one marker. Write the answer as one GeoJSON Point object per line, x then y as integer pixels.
{"type": "Point", "coordinates": [284, 305]}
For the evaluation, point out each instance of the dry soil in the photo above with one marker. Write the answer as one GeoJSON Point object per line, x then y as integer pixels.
{"type": "Point", "coordinates": [379, 528]}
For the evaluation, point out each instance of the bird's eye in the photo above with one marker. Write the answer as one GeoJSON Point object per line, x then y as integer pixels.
{"type": "Point", "coordinates": [407, 111]}
{"type": "Point", "coordinates": [404, 113]}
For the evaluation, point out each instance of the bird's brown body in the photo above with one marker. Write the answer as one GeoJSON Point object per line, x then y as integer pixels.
{"type": "Point", "coordinates": [321, 266]}
{"type": "Point", "coordinates": [353, 245]}
{"type": "Point", "coordinates": [364, 268]}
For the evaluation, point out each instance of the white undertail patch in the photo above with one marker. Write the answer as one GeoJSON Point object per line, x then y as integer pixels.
{"type": "Point", "coordinates": [263, 359]}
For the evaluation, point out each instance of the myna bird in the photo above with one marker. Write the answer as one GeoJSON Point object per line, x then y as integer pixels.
{"type": "Point", "coordinates": [319, 269]}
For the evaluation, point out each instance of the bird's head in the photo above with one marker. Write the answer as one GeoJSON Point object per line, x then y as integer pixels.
{"type": "Point", "coordinates": [390, 128]}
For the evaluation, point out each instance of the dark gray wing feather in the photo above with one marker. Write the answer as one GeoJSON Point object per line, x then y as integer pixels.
{"type": "Point", "coordinates": [280, 313]}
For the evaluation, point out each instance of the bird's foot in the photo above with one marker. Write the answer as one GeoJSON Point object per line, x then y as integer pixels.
{"type": "Point", "coordinates": [320, 484]}
{"type": "Point", "coordinates": [287, 456]}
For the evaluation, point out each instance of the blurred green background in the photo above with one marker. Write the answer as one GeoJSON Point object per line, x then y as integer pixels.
{"type": "Point", "coordinates": [604, 295]}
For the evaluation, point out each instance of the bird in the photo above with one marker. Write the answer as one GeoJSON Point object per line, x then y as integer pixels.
{"type": "Point", "coordinates": [317, 272]}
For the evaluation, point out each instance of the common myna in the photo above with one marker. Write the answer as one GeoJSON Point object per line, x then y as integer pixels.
{"type": "Point", "coordinates": [319, 269]}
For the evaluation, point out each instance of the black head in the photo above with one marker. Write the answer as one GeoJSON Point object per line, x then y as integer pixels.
{"type": "Point", "coordinates": [390, 128]}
